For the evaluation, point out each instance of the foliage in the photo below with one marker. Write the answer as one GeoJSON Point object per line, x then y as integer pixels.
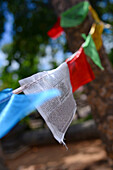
{"type": "Point", "coordinates": [111, 56]}
{"type": "Point", "coordinates": [32, 20]}
{"type": "Point", "coordinates": [2, 18]}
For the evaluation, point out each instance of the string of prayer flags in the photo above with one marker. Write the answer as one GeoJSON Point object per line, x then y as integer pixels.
{"type": "Point", "coordinates": [70, 18]}
{"type": "Point", "coordinates": [5, 96]}
{"type": "Point", "coordinates": [20, 106]}
{"type": "Point", "coordinates": [79, 69]}
{"type": "Point", "coordinates": [59, 112]}
{"type": "Point", "coordinates": [75, 16]}
{"type": "Point", "coordinates": [96, 33]}
{"type": "Point", "coordinates": [56, 30]}
{"type": "Point", "coordinates": [103, 26]}
{"type": "Point", "coordinates": [90, 51]}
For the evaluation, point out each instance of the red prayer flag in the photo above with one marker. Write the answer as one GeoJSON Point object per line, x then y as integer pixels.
{"type": "Point", "coordinates": [56, 30]}
{"type": "Point", "coordinates": [79, 70]}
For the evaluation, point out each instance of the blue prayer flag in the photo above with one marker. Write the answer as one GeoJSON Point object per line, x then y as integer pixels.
{"type": "Point", "coordinates": [5, 96]}
{"type": "Point", "coordinates": [20, 106]}
{"type": "Point", "coordinates": [107, 31]}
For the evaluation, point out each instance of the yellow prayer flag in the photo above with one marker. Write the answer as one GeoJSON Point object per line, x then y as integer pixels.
{"type": "Point", "coordinates": [96, 32]}
{"type": "Point", "coordinates": [94, 14]}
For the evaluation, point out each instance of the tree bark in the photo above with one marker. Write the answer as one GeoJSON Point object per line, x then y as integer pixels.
{"type": "Point", "coordinates": [2, 164]}
{"type": "Point", "coordinates": [100, 91]}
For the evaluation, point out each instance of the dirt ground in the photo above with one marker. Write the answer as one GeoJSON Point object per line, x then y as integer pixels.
{"type": "Point", "coordinates": [86, 155]}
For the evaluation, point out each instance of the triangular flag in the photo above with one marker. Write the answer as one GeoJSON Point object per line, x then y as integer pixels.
{"type": "Point", "coordinates": [56, 30]}
{"type": "Point", "coordinates": [57, 113]}
{"type": "Point", "coordinates": [20, 106]}
{"type": "Point", "coordinates": [75, 16]}
{"type": "Point", "coordinates": [5, 96]}
{"type": "Point", "coordinates": [79, 69]}
{"type": "Point", "coordinates": [90, 51]}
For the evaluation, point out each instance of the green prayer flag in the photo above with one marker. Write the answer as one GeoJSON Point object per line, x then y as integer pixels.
{"type": "Point", "coordinates": [84, 36]}
{"type": "Point", "coordinates": [75, 16]}
{"type": "Point", "coordinates": [90, 50]}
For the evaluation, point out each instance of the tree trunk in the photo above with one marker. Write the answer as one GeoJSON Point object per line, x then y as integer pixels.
{"type": "Point", "coordinates": [2, 164]}
{"type": "Point", "coordinates": [100, 91]}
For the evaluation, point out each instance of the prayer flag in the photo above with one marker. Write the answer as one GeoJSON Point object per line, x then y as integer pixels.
{"type": "Point", "coordinates": [57, 113]}
{"type": "Point", "coordinates": [94, 14]}
{"type": "Point", "coordinates": [20, 106]}
{"type": "Point", "coordinates": [75, 16]}
{"type": "Point", "coordinates": [5, 96]}
{"type": "Point", "coordinates": [79, 69]}
{"type": "Point", "coordinates": [96, 33]}
{"type": "Point", "coordinates": [90, 51]}
{"type": "Point", "coordinates": [56, 30]}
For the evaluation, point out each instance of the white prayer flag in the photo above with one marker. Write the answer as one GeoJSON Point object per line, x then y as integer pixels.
{"type": "Point", "coordinates": [59, 112]}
